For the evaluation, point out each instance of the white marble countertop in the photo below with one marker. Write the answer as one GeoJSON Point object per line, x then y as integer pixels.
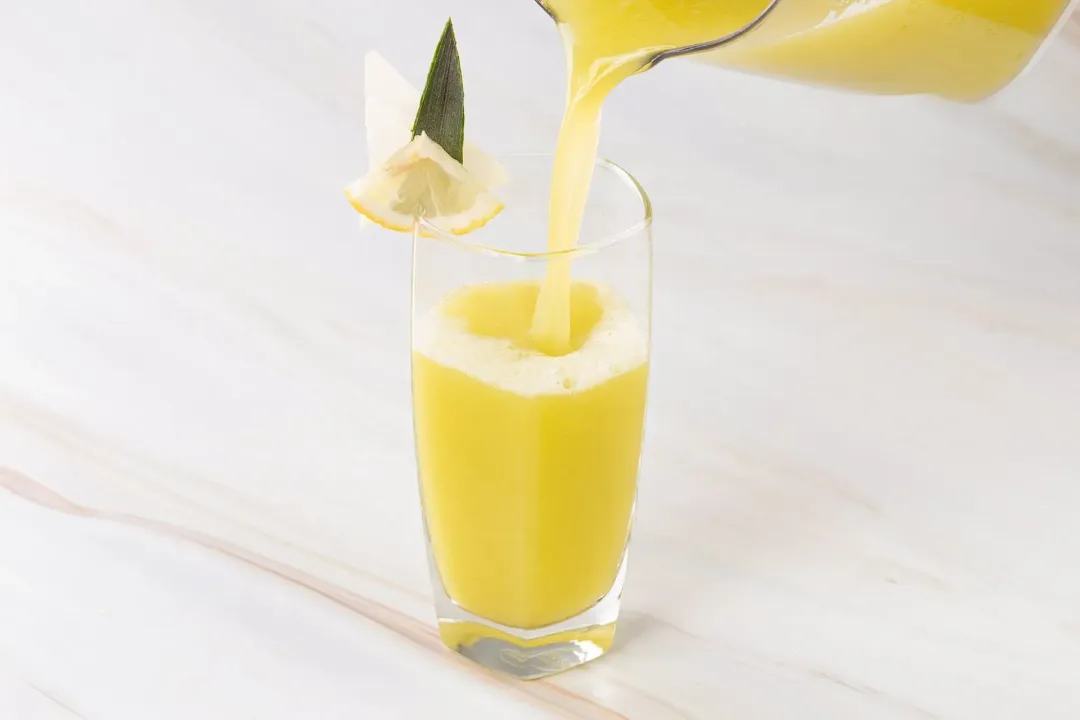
{"type": "Point", "coordinates": [860, 496]}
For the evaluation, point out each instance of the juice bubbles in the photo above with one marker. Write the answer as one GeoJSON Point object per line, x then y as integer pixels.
{"type": "Point", "coordinates": [528, 462]}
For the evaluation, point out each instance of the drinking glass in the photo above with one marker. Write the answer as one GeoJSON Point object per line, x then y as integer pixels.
{"type": "Point", "coordinates": [528, 462]}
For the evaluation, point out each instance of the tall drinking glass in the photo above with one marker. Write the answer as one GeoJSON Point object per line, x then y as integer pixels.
{"type": "Point", "coordinates": [528, 462]}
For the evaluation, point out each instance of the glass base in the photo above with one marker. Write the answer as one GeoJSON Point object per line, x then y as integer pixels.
{"type": "Point", "coordinates": [526, 659]}
{"type": "Point", "coordinates": [530, 654]}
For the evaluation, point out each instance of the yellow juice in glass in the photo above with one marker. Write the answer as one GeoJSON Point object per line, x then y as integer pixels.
{"type": "Point", "coordinates": [528, 462]}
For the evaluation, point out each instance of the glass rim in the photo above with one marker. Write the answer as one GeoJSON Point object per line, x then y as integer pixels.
{"type": "Point", "coordinates": [426, 229]}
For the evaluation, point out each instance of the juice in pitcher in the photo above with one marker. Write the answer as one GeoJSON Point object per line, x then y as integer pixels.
{"type": "Point", "coordinates": [958, 49]}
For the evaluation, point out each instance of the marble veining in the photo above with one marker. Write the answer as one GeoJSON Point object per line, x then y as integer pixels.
{"type": "Point", "coordinates": [858, 496]}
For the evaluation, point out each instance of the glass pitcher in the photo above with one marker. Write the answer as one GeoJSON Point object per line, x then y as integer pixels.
{"type": "Point", "coordinates": [962, 50]}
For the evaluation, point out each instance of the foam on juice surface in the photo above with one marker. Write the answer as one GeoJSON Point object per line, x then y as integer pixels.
{"type": "Point", "coordinates": [617, 344]}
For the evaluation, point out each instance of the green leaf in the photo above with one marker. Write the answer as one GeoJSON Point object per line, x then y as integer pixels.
{"type": "Point", "coordinates": [442, 106]}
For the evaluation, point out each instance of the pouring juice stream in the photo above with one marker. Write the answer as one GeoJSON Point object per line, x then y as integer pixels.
{"type": "Point", "coordinates": [958, 49]}
{"type": "Point", "coordinates": [599, 57]}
